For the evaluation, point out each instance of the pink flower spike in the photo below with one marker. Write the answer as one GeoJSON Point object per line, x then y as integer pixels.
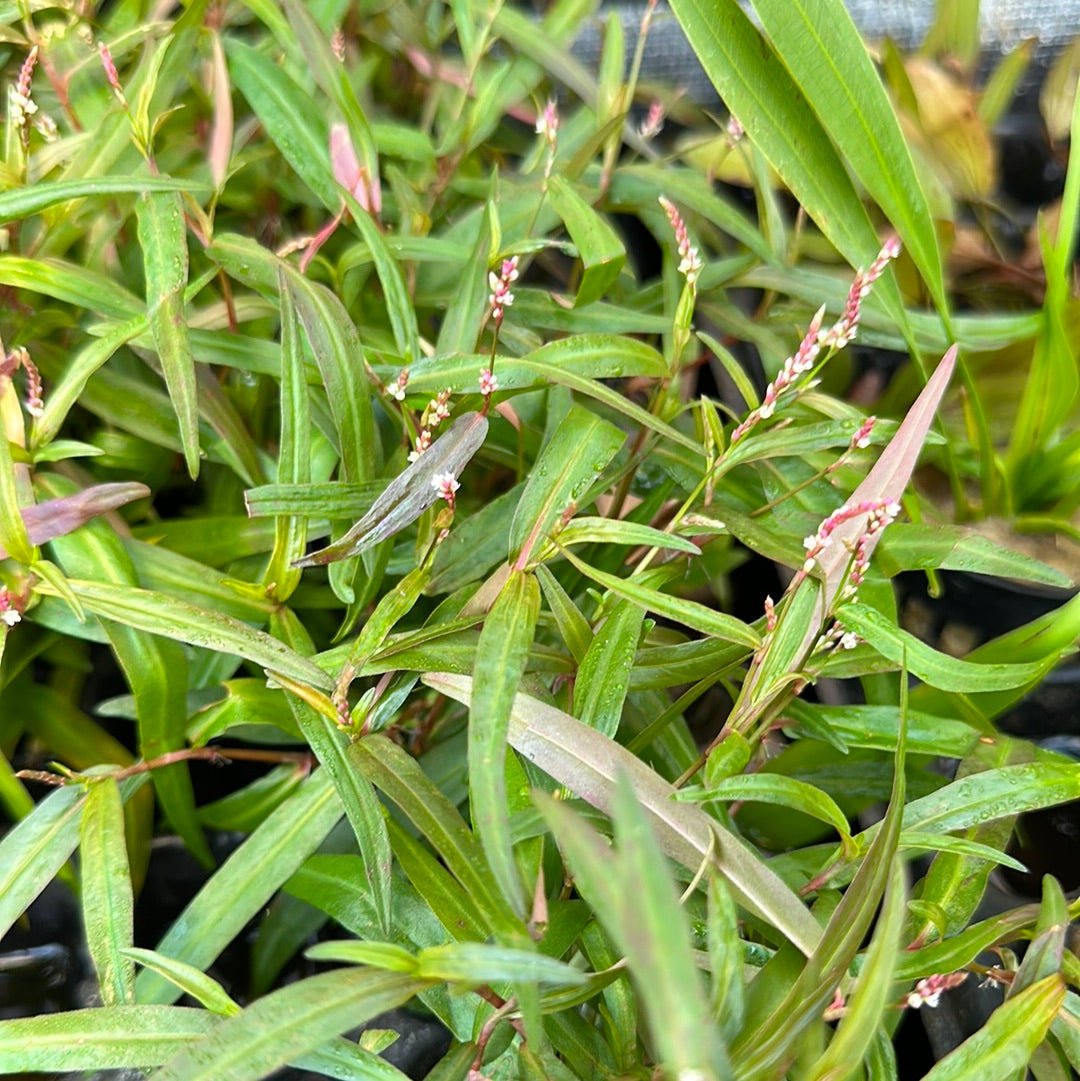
{"type": "Point", "coordinates": [861, 439]}
{"type": "Point", "coordinates": [501, 298]}
{"type": "Point", "coordinates": [547, 123]}
{"type": "Point", "coordinates": [446, 484]}
{"type": "Point", "coordinates": [26, 73]}
{"type": "Point", "coordinates": [488, 383]}
{"type": "Point", "coordinates": [653, 123]}
{"type": "Point", "coordinates": [110, 71]}
{"type": "Point", "coordinates": [10, 611]}
{"type": "Point", "coordinates": [690, 260]}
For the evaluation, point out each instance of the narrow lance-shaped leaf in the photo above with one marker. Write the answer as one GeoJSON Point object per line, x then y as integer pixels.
{"type": "Point", "coordinates": [821, 47]}
{"type": "Point", "coordinates": [163, 239]}
{"type": "Point", "coordinates": [57, 517]}
{"type": "Point", "coordinates": [107, 901]}
{"type": "Point", "coordinates": [289, 1022]}
{"type": "Point", "coordinates": [294, 456]}
{"type": "Point", "coordinates": [1006, 1042]}
{"type": "Point", "coordinates": [410, 493]}
{"type": "Point", "coordinates": [35, 849]}
{"type": "Point", "coordinates": [588, 763]}
{"type": "Point", "coordinates": [362, 806]}
{"type": "Point", "coordinates": [602, 252]}
{"type": "Point", "coordinates": [244, 883]}
{"type": "Point", "coordinates": [501, 656]}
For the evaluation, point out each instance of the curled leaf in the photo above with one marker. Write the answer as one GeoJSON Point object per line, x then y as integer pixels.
{"type": "Point", "coordinates": [58, 517]}
{"type": "Point", "coordinates": [409, 494]}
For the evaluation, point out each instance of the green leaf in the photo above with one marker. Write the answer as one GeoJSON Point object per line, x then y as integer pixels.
{"type": "Point", "coordinates": [725, 959]}
{"type": "Point", "coordinates": [820, 46]}
{"type": "Point", "coordinates": [1007, 1041]}
{"type": "Point", "coordinates": [357, 796]}
{"type": "Point", "coordinates": [576, 454]}
{"type": "Point", "coordinates": [924, 662]}
{"type": "Point", "coordinates": [294, 454]}
{"type": "Point", "coordinates": [108, 904]}
{"type": "Point", "coordinates": [501, 656]}
{"type": "Point", "coordinates": [774, 788]}
{"type": "Point", "coordinates": [245, 883]}
{"type": "Point", "coordinates": [601, 251]}
{"type": "Point", "coordinates": [866, 1009]}
{"type": "Point", "coordinates": [158, 613]}
{"type": "Point", "coordinates": [603, 677]}
{"type": "Point", "coordinates": [299, 132]}
{"type": "Point", "coordinates": [634, 897]}
{"type": "Point", "coordinates": [104, 1038]}
{"type": "Point", "coordinates": [479, 963]}
{"type": "Point", "coordinates": [756, 85]}
{"type": "Point", "coordinates": [204, 989]}
{"type": "Point", "coordinates": [910, 546]}
{"type": "Point", "coordinates": [163, 239]}
{"type": "Point", "coordinates": [289, 1022]}
{"type": "Point", "coordinates": [689, 613]}
{"type": "Point", "coordinates": [586, 530]}
{"type": "Point", "coordinates": [399, 305]}
{"type": "Point", "coordinates": [34, 850]}
{"type": "Point", "coordinates": [16, 203]}
{"type": "Point", "coordinates": [588, 763]}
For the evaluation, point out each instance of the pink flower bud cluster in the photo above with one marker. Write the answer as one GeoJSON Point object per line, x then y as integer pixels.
{"type": "Point", "coordinates": [10, 608]}
{"type": "Point", "coordinates": [337, 45]}
{"type": "Point", "coordinates": [396, 389]}
{"type": "Point", "coordinates": [111, 73]}
{"type": "Point", "coordinates": [446, 484]}
{"type": "Point", "coordinates": [653, 123]}
{"type": "Point", "coordinates": [21, 106]}
{"type": "Point", "coordinates": [770, 615]}
{"type": "Point", "coordinates": [20, 358]}
{"type": "Point", "coordinates": [928, 991]}
{"type": "Point", "coordinates": [734, 131]}
{"type": "Point", "coordinates": [861, 439]}
{"type": "Point", "coordinates": [798, 364]}
{"type": "Point", "coordinates": [879, 514]}
{"type": "Point", "coordinates": [501, 298]}
{"type": "Point", "coordinates": [488, 383]}
{"type": "Point", "coordinates": [423, 441]}
{"type": "Point", "coordinates": [837, 636]}
{"type": "Point", "coordinates": [438, 409]}
{"type": "Point", "coordinates": [547, 124]}
{"type": "Point", "coordinates": [843, 331]}
{"type": "Point", "coordinates": [690, 260]}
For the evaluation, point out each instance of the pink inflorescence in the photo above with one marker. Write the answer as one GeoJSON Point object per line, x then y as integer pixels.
{"type": "Point", "coordinates": [928, 991]}
{"type": "Point", "coordinates": [653, 123]}
{"type": "Point", "coordinates": [446, 484]}
{"type": "Point", "coordinates": [10, 609]}
{"type": "Point", "coordinates": [488, 383]}
{"type": "Point", "coordinates": [861, 439]}
{"type": "Point", "coordinates": [110, 71]}
{"type": "Point", "coordinates": [547, 123]}
{"type": "Point", "coordinates": [501, 297]}
{"type": "Point", "coordinates": [396, 389]}
{"type": "Point", "coordinates": [879, 514]}
{"type": "Point", "coordinates": [690, 260]}
{"type": "Point", "coordinates": [844, 329]}
{"type": "Point", "coordinates": [798, 364]}
{"type": "Point", "coordinates": [423, 441]}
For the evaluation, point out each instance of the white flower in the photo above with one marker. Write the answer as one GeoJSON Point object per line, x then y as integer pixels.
{"type": "Point", "coordinates": [10, 616]}
{"type": "Point", "coordinates": [446, 484]}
